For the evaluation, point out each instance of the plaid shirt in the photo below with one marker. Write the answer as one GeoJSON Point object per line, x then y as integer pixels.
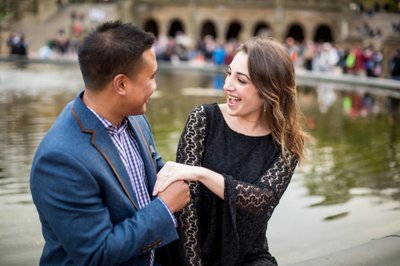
{"type": "Point", "coordinates": [128, 150]}
{"type": "Point", "coordinates": [129, 153]}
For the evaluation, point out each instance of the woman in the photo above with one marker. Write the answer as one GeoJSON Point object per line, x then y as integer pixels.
{"type": "Point", "coordinates": [239, 157]}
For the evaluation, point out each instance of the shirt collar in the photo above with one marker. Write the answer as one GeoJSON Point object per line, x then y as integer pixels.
{"type": "Point", "coordinates": [111, 129]}
{"type": "Point", "coordinates": [117, 130]}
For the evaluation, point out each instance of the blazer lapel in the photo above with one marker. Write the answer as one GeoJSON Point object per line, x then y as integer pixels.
{"type": "Point", "coordinates": [100, 139]}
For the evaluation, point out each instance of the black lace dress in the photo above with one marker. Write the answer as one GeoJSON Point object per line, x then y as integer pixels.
{"type": "Point", "coordinates": [230, 231]}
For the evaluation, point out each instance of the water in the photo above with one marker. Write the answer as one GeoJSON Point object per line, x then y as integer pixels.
{"type": "Point", "coordinates": [346, 192]}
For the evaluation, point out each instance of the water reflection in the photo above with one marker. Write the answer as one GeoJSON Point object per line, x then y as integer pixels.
{"type": "Point", "coordinates": [25, 118]}
{"type": "Point", "coordinates": [357, 144]}
{"type": "Point", "coordinates": [357, 132]}
{"type": "Point", "coordinates": [352, 170]}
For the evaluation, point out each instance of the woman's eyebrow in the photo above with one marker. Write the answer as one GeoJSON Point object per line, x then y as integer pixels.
{"type": "Point", "coordinates": [243, 74]}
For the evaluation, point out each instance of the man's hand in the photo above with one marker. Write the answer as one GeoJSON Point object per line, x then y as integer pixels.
{"type": "Point", "coordinates": [173, 172]}
{"type": "Point", "coordinates": [176, 196]}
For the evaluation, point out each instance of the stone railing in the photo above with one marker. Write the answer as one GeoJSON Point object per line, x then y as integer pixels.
{"type": "Point", "coordinates": [305, 4]}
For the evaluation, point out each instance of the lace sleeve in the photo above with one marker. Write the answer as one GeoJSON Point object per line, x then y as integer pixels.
{"type": "Point", "coordinates": [263, 196]}
{"type": "Point", "coordinates": [190, 151]}
{"type": "Point", "coordinates": [248, 207]}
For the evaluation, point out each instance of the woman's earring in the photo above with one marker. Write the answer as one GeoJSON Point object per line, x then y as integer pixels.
{"type": "Point", "coordinates": [265, 107]}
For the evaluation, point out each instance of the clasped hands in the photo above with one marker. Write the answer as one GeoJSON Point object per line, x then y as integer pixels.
{"type": "Point", "coordinates": [172, 172]}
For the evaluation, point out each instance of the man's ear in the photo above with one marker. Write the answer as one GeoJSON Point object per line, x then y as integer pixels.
{"type": "Point", "coordinates": [119, 84]}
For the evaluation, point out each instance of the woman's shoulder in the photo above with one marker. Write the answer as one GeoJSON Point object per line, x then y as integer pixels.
{"type": "Point", "coordinates": [207, 110]}
{"type": "Point", "coordinates": [205, 114]}
{"type": "Point", "coordinates": [208, 106]}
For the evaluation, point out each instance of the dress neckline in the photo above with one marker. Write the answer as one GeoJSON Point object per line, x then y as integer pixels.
{"type": "Point", "coordinates": [219, 112]}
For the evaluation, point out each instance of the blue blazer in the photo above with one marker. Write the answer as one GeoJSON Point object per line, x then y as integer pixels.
{"type": "Point", "coordinates": [81, 189]}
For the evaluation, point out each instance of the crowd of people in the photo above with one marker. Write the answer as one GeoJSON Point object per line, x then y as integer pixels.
{"type": "Point", "coordinates": [66, 41]}
{"type": "Point", "coordinates": [311, 56]}
{"type": "Point", "coordinates": [326, 57]}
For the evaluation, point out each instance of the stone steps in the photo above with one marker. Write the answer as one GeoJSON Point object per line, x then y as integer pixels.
{"type": "Point", "coordinates": [38, 33]}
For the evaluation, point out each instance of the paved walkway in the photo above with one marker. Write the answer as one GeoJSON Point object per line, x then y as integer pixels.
{"type": "Point", "coordinates": [384, 251]}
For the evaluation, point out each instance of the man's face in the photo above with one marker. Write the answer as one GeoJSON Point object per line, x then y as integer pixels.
{"type": "Point", "coordinates": [142, 85]}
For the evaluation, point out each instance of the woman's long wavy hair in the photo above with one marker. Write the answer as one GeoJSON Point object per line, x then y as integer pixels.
{"type": "Point", "coordinates": [272, 72]}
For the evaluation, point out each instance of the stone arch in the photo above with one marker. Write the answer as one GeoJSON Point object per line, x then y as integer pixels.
{"type": "Point", "coordinates": [208, 28]}
{"type": "Point", "coordinates": [175, 27]}
{"type": "Point", "coordinates": [233, 31]}
{"type": "Point", "coordinates": [296, 31]}
{"type": "Point", "coordinates": [151, 25]}
{"type": "Point", "coordinates": [262, 29]}
{"type": "Point", "coordinates": [323, 33]}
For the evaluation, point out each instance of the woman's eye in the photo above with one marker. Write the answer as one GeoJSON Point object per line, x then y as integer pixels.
{"type": "Point", "coordinates": [241, 81]}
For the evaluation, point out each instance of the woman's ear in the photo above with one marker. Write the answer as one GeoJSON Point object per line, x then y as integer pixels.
{"type": "Point", "coordinates": [119, 84]}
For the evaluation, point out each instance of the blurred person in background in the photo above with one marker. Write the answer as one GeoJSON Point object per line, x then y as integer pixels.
{"type": "Point", "coordinates": [395, 66]}
{"type": "Point", "coordinates": [17, 44]}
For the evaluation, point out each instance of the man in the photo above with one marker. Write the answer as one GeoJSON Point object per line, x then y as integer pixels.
{"type": "Point", "coordinates": [92, 174]}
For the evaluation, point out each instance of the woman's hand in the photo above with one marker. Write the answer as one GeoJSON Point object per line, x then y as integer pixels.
{"type": "Point", "coordinates": [172, 172]}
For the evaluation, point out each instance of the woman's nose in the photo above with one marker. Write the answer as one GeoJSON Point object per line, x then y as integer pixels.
{"type": "Point", "coordinates": [227, 84]}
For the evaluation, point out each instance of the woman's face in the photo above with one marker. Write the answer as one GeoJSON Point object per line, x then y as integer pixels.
{"type": "Point", "coordinates": [243, 97]}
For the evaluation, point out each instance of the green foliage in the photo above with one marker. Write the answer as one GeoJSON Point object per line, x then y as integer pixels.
{"type": "Point", "coordinates": [391, 4]}
{"type": "Point", "coordinates": [2, 10]}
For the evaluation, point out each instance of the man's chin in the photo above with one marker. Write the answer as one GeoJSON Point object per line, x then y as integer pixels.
{"type": "Point", "coordinates": [143, 110]}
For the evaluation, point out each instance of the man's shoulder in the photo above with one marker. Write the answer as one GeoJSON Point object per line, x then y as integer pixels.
{"type": "Point", "coordinates": [139, 120]}
{"type": "Point", "coordinates": [63, 131]}
{"type": "Point", "coordinates": [141, 125]}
